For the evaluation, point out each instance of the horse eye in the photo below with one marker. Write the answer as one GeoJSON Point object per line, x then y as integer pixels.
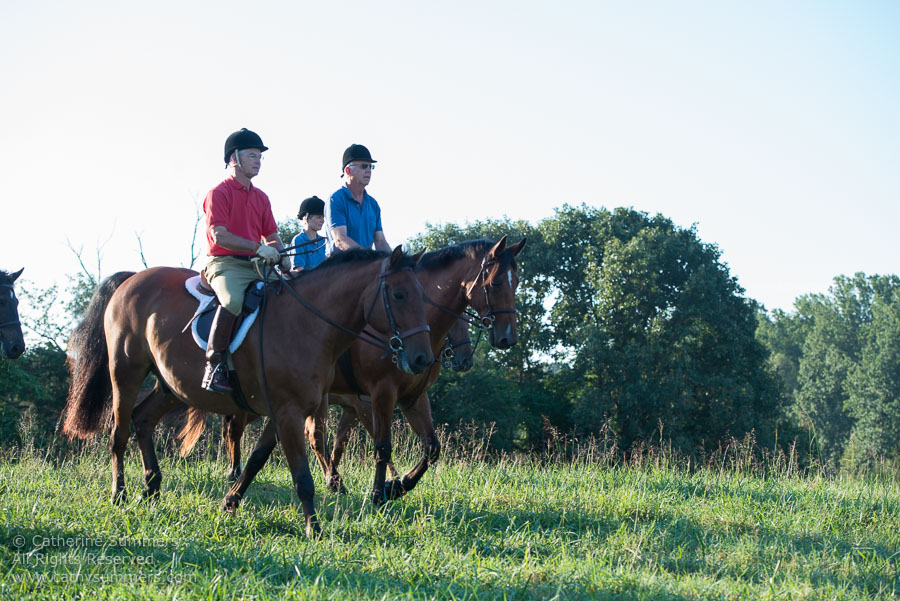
{"type": "Point", "coordinates": [398, 295]}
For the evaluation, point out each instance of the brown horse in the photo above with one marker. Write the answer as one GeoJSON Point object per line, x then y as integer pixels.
{"type": "Point", "coordinates": [284, 370]}
{"type": "Point", "coordinates": [480, 274]}
{"type": "Point", "coordinates": [456, 354]}
{"type": "Point", "coordinates": [12, 343]}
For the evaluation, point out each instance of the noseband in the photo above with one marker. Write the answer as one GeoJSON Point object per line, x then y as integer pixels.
{"type": "Point", "coordinates": [10, 323]}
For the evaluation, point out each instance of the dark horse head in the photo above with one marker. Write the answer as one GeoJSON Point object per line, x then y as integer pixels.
{"type": "Point", "coordinates": [12, 343]}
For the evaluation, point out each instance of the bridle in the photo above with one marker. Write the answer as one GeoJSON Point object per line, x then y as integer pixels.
{"type": "Point", "coordinates": [395, 344]}
{"type": "Point", "coordinates": [14, 322]}
{"type": "Point", "coordinates": [491, 316]}
{"type": "Point", "coordinates": [468, 315]}
{"type": "Point", "coordinates": [446, 354]}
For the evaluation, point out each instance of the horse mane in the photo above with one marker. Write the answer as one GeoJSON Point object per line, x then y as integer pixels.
{"type": "Point", "coordinates": [471, 249]}
{"type": "Point", "coordinates": [4, 277]}
{"type": "Point", "coordinates": [362, 254]}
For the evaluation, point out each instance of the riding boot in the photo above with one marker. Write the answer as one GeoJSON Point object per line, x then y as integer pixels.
{"type": "Point", "coordinates": [215, 379]}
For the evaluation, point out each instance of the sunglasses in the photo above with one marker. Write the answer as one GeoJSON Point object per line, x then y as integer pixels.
{"type": "Point", "coordinates": [365, 166]}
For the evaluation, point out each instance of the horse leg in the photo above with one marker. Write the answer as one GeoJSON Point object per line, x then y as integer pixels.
{"type": "Point", "coordinates": [145, 417]}
{"type": "Point", "coordinates": [232, 432]}
{"type": "Point", "coordinates": [290, 433]}
{"type": "Point", "coordinates": [382, 410]}
{"type": "Point", "coordinates": [345, 426]}
{"type": "Point", "coordinates": [261, 452]}
{"type": "Point", "coordinates": [364, 416]}
{"type": "Point", "coordinates": [126, 383]}
{"type": "Point", "coordinates": [418, 415]}
{"type": "Point", "coordinates": [315, 433]}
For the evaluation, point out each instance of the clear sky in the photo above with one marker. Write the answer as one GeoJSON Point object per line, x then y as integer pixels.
{"type": "Point", "coordinates": [773, 126]}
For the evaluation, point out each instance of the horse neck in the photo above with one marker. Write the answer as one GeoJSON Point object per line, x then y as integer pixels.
{"type": "Point", "coordinates": [342, 293]}
{"type": "Point", "coordinates": [446, 286]}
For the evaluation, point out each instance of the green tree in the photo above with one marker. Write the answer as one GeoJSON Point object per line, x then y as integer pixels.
{"type": "Point", "coordinates": [873, 383]}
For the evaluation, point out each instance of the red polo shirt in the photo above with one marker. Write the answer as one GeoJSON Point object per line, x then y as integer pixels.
{"type": "Point", "coordinates": [244, 212]}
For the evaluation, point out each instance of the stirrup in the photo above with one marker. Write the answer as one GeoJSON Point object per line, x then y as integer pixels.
{"type": "Point", "coordinates": [215, 379]}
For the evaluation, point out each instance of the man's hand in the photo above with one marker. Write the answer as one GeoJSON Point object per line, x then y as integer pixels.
{"type": "Point", "coordinates": [268, 254]}
{"type": "Point", "coordinates": [285, 265]}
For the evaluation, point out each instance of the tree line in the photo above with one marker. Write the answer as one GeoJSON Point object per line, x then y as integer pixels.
{"type": "Point", "coordinates": [631, 325]}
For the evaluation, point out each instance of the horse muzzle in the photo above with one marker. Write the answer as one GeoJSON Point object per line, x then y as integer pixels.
{"type": "Point", "coordinates": [12, 350]}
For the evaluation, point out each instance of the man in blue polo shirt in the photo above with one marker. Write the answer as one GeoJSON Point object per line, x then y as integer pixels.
{"type": "Point", "coordinates": [352, 216]}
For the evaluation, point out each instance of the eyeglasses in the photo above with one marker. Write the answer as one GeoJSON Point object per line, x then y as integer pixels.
{"type": "Point", "coordinates": [252, 156]}
{"type": "Point", "coordinates": [365, 166]}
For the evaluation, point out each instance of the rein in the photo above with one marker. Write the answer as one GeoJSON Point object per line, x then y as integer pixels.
{"type": "Point", "coordinates": [319, 242]}
{"type": "Point", "coordinates": [14, 322]}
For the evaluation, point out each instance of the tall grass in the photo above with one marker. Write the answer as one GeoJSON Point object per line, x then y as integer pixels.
{"type": "Point", "coordinates": [577, 520]}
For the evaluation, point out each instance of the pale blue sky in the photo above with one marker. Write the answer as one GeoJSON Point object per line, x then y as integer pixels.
{"type": "Point", "coordinates": [773, 126]}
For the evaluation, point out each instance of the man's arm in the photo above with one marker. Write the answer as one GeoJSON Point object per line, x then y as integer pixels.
{"type": "Point", "coordinates": [381, 243]}
{"type": "Point", "coordinates": [341, 240]}
{"type": "Point", "coordinates": [222, 237]}
{"type": "Point", "coordinates": [276, 239]}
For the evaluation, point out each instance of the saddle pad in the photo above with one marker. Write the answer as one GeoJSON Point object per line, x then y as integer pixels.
{"type": "Point", "coordinates": [202, 321]}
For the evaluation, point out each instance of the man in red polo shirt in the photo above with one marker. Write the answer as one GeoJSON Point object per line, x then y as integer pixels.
{"type": "Point", "coordinates": [239, 228]}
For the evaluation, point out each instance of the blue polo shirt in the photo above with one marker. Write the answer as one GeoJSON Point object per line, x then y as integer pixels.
{"type": "Point", "coordinates": [361, 220]}
{"type": "Point", "coordinates": [308, 259]}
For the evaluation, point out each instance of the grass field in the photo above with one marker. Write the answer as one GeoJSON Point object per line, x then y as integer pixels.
{"type": "Point", "coordinates": [508, 528]}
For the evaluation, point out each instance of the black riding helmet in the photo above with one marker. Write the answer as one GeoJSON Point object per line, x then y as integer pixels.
{"type": "Point", "coordinates": [242, 139]}
{"type": "Point", "coordinates": [356, 152]}
{"type": "Point", "coordinates": [311, 206]}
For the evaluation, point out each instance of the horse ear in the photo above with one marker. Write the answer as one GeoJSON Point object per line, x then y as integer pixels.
{"type": "Point", "coordinates": [17, 274]}
{"type": "Point", "coordinates": [499, 247]}
{"type": "Point", "coordinates": [416, 257]}
{"type": "Point", "coordinates": [517, 247]}
{"type": "Point", "coordinates": [396, 255]}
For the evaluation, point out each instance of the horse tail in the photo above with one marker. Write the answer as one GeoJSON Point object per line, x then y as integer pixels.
{"type": "Point", "coordinates": [193, 427]}
{"type": "Point", "coordinates": [89, 403]}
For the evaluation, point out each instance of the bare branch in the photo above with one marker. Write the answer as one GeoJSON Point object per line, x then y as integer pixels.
{"type": "Point", "coordinates": [195, 250]}
{"type": "Point", "coordinates": [141, 250]}
{"type": "Point", "coordinates": [84, 269]}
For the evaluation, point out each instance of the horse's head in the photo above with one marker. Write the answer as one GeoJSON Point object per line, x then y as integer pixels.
{"type": "Point", "coordinates": [458, 353]}
{"type": "Point", "coordinates": [12, 342]}
{"type": "Point", "coordinates": [403, 313]}
{"type": "Point", "coordinates": [493, 293]}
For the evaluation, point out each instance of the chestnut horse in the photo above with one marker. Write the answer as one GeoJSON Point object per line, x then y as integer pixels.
{"type": "Point", "coordinates": [456, 354]}
{"type": "Point", "coordinates": [480, 274]}
{"type": "Point", "coordinates": [12, 343]}
{"type": "Point", "coordinates": [285, 364]}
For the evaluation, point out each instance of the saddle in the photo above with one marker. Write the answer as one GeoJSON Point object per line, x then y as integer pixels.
{"type": "Point", "coordinates": [208, 303]}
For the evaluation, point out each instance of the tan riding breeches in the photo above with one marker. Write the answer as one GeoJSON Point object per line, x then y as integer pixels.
{"type": "Point", "coordinates": [229, 277]}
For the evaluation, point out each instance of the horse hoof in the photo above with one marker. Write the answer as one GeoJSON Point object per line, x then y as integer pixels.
{"type": "Point", "coordinates": [313, 531]}
{"type": "Point", "coordinates": [378, 498]}
{"type": "Point", "coordinates": [336, 485]}
{"type": "Point", "coordinates": [118, 497]}
{"type": "Point", "coordinates": [231, 504]}
{"type": "Point", "coordinates": [150, 496]}
{"type": "Point", "coordinates": [393, 490]}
